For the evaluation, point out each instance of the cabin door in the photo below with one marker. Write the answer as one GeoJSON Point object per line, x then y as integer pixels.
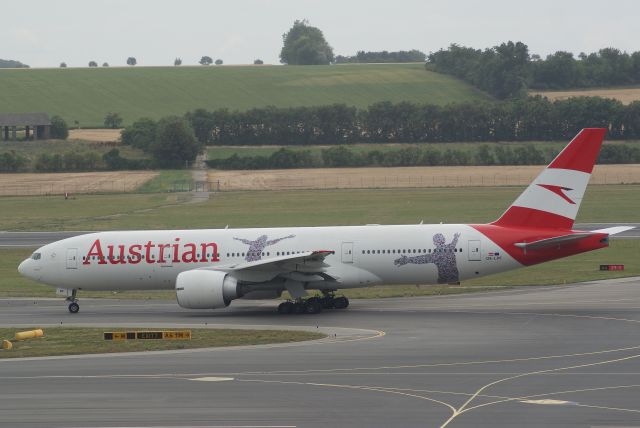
{"type": "Point", "coordinates": [72, 258]}
{"type": "Point", "coordinates": [347, 252]}
{"type": "Point", "coordinates": [474, 250]}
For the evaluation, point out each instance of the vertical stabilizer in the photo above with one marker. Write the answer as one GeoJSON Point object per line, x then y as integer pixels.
{"type": "Point", "coordinates": [552, 200]}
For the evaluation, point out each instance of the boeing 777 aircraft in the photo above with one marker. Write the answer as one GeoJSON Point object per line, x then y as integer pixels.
{"type": "Point", "coordinates": [211, 267]}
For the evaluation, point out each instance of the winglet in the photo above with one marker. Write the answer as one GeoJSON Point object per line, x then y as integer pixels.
{"type": "Point", "coordinates": [614, 230]}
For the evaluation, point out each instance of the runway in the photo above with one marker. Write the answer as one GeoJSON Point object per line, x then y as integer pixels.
{"type": "Point", "coordinates": [534, 356]}
{"type": "Point", "coordinates": [38, 239]}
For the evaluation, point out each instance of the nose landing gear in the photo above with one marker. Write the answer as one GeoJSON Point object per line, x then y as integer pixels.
{"type": "Point", "coordinates": [74, 307]}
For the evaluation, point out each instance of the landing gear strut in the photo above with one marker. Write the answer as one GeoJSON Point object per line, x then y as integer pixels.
{"type": "Point", "coordinates": [313, 305]}
{"type": "Point", "coordinates": [74, 307]}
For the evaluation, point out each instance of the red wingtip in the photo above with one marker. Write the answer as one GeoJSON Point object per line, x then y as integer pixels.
{"type": "Point", "coordinates": [581, 153]}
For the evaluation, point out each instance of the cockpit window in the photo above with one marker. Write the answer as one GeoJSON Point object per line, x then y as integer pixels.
{"type": "Point", "coordinates": [36, 256]}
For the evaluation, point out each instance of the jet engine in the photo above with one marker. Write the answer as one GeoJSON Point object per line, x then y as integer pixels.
{"type": "Point", "coordinates": [206, 289]}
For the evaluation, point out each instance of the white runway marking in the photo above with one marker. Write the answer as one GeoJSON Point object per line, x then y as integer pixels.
{"type": "Point", "coordinates": [212, 379]}
{"type": "Point", "coordinates": [549, 402]}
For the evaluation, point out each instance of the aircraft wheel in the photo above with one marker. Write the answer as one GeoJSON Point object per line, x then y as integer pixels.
{"type": "Point", "coordinates": [74, 307]}
{"type": "Point", "coordinates": [299, 307]}
{"type": "Point", "coordinates": [327, 302]}
{"type": "Point", "coordinates": [285, 308]}
{"type": "Point", "coordinates": [313, 306]}
{"type": "Point", "coordinates": [341, 302]}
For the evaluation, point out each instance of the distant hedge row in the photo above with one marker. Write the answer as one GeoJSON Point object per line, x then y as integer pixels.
{"type": "Point", "coordinates": [529, 119]}
{"type": "Point", "coordinates": [71, 162]}
{"type": "Point", "coordinates": [342, 156]}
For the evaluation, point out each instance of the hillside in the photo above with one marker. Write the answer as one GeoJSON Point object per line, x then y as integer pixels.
{"type": "Point", "coordinates": [87, 94]}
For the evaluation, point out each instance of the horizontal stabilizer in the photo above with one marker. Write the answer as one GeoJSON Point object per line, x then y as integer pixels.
{"type": "Point", "coordinates": [552, 242]}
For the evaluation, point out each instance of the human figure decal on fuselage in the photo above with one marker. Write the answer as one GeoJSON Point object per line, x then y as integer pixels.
{"type": "Point", "coordinates": [257, 247]}
{"type": "Point", "coordinates": [443, 256]}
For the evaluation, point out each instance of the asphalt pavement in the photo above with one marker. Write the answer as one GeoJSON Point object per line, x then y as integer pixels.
{"type": "Point", "coordinates": [562, 356]}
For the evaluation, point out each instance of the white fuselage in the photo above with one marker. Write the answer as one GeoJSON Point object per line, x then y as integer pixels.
{"type": "Point", "coordinates": [364, 255]}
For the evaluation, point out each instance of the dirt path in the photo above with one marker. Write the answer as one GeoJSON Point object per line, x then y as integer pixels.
{"type": "Point", "coordinates": [357, 178]}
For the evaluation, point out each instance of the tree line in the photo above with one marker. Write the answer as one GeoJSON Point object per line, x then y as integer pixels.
{"type": "Point", "coordinates": [72, 162]}
{"type": "Point", "coordinates": [528, 119]}
{"type": "Point", "coordinates": [483, 154]}
{"type": "Point", "coordinates": [363, 57]}
{"type": "Point", "coordinates": [507, 70]}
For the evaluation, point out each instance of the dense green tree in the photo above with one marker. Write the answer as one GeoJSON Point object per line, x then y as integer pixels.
{"type": "Point", "coordinates": [112, 120]}
{"type": "Point", "coordinates": [93, 64]}
{"type": "Point", "coordinates": [132, 61]}
{"type": "Point", "coordinates": [219, 61]}
{"type": "Point", "coordinates": [177, 61]}
{"type": "Point", "coordinates": [175, 143]}
{"type": "Point", "coordinates": [413, 55]}
{"type": "Point", "coordinates": [59, 128]}
{"type": "Point", "coordinates": [105, 64]}
{"type": "Point", "coordinates": [202, 123]}
{"type": "Point", "coordinates": [12, 162]}
{"type": "Point", "coordinates": [559, 70]}
{"type": "Point", "coordinates": [140, 134]}
{"type": "Point", "coordinates": [305, 45]}
{"type": "Point", "coordinates": [258, 62]}
{"type": "Point", "coordinates": [205, 60]}
{"type": "Point", "coordinates": [63, 65]}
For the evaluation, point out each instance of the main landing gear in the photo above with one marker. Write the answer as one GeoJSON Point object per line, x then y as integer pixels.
{"type": "Point", "coordinates": [313, 305]}
{"type": "Point", "coordinates": [74, 307]}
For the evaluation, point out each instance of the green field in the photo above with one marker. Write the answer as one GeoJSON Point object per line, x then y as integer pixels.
{"type": "Point", "coordinates": [296, 208]}
{"type": "Point", "coordinates": [88, 94]}
{"type": "Point", "coordinates": [619, 203]}
{"type": "Point", "coordinates": [73, 341]}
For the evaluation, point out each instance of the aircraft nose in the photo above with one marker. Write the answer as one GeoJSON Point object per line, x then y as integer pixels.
{"type": "Point", "coordinates": [22, 268]}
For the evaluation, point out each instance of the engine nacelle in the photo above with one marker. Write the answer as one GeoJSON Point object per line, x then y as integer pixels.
{"type": "Point", "coordinates": [205, 289]}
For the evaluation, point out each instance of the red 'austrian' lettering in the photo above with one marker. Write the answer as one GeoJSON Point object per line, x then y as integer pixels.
{"type": "Point", "coordinates": [151, 252]}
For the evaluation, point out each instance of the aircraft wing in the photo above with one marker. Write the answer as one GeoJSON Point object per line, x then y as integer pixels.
{"type": "Point", "coordinates": [303, 266]}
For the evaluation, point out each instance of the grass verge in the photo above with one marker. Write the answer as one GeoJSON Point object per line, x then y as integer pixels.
{"type": "Point", "coordinates": [167, 181]}
{"type": "Point", "coordinates": [78, 340]}
{"type": "Point", "coordinates": [602, 203]}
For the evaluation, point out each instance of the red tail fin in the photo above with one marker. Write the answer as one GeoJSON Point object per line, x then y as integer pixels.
{"type": "Point", "coordinates": [552, 200]}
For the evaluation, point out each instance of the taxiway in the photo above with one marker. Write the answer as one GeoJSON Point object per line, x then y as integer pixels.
{"type": "Point", "coordinates": [534, 356]}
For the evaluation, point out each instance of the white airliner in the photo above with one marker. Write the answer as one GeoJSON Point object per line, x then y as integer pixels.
{"type": "Point", "coordinates": [211, 267]}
